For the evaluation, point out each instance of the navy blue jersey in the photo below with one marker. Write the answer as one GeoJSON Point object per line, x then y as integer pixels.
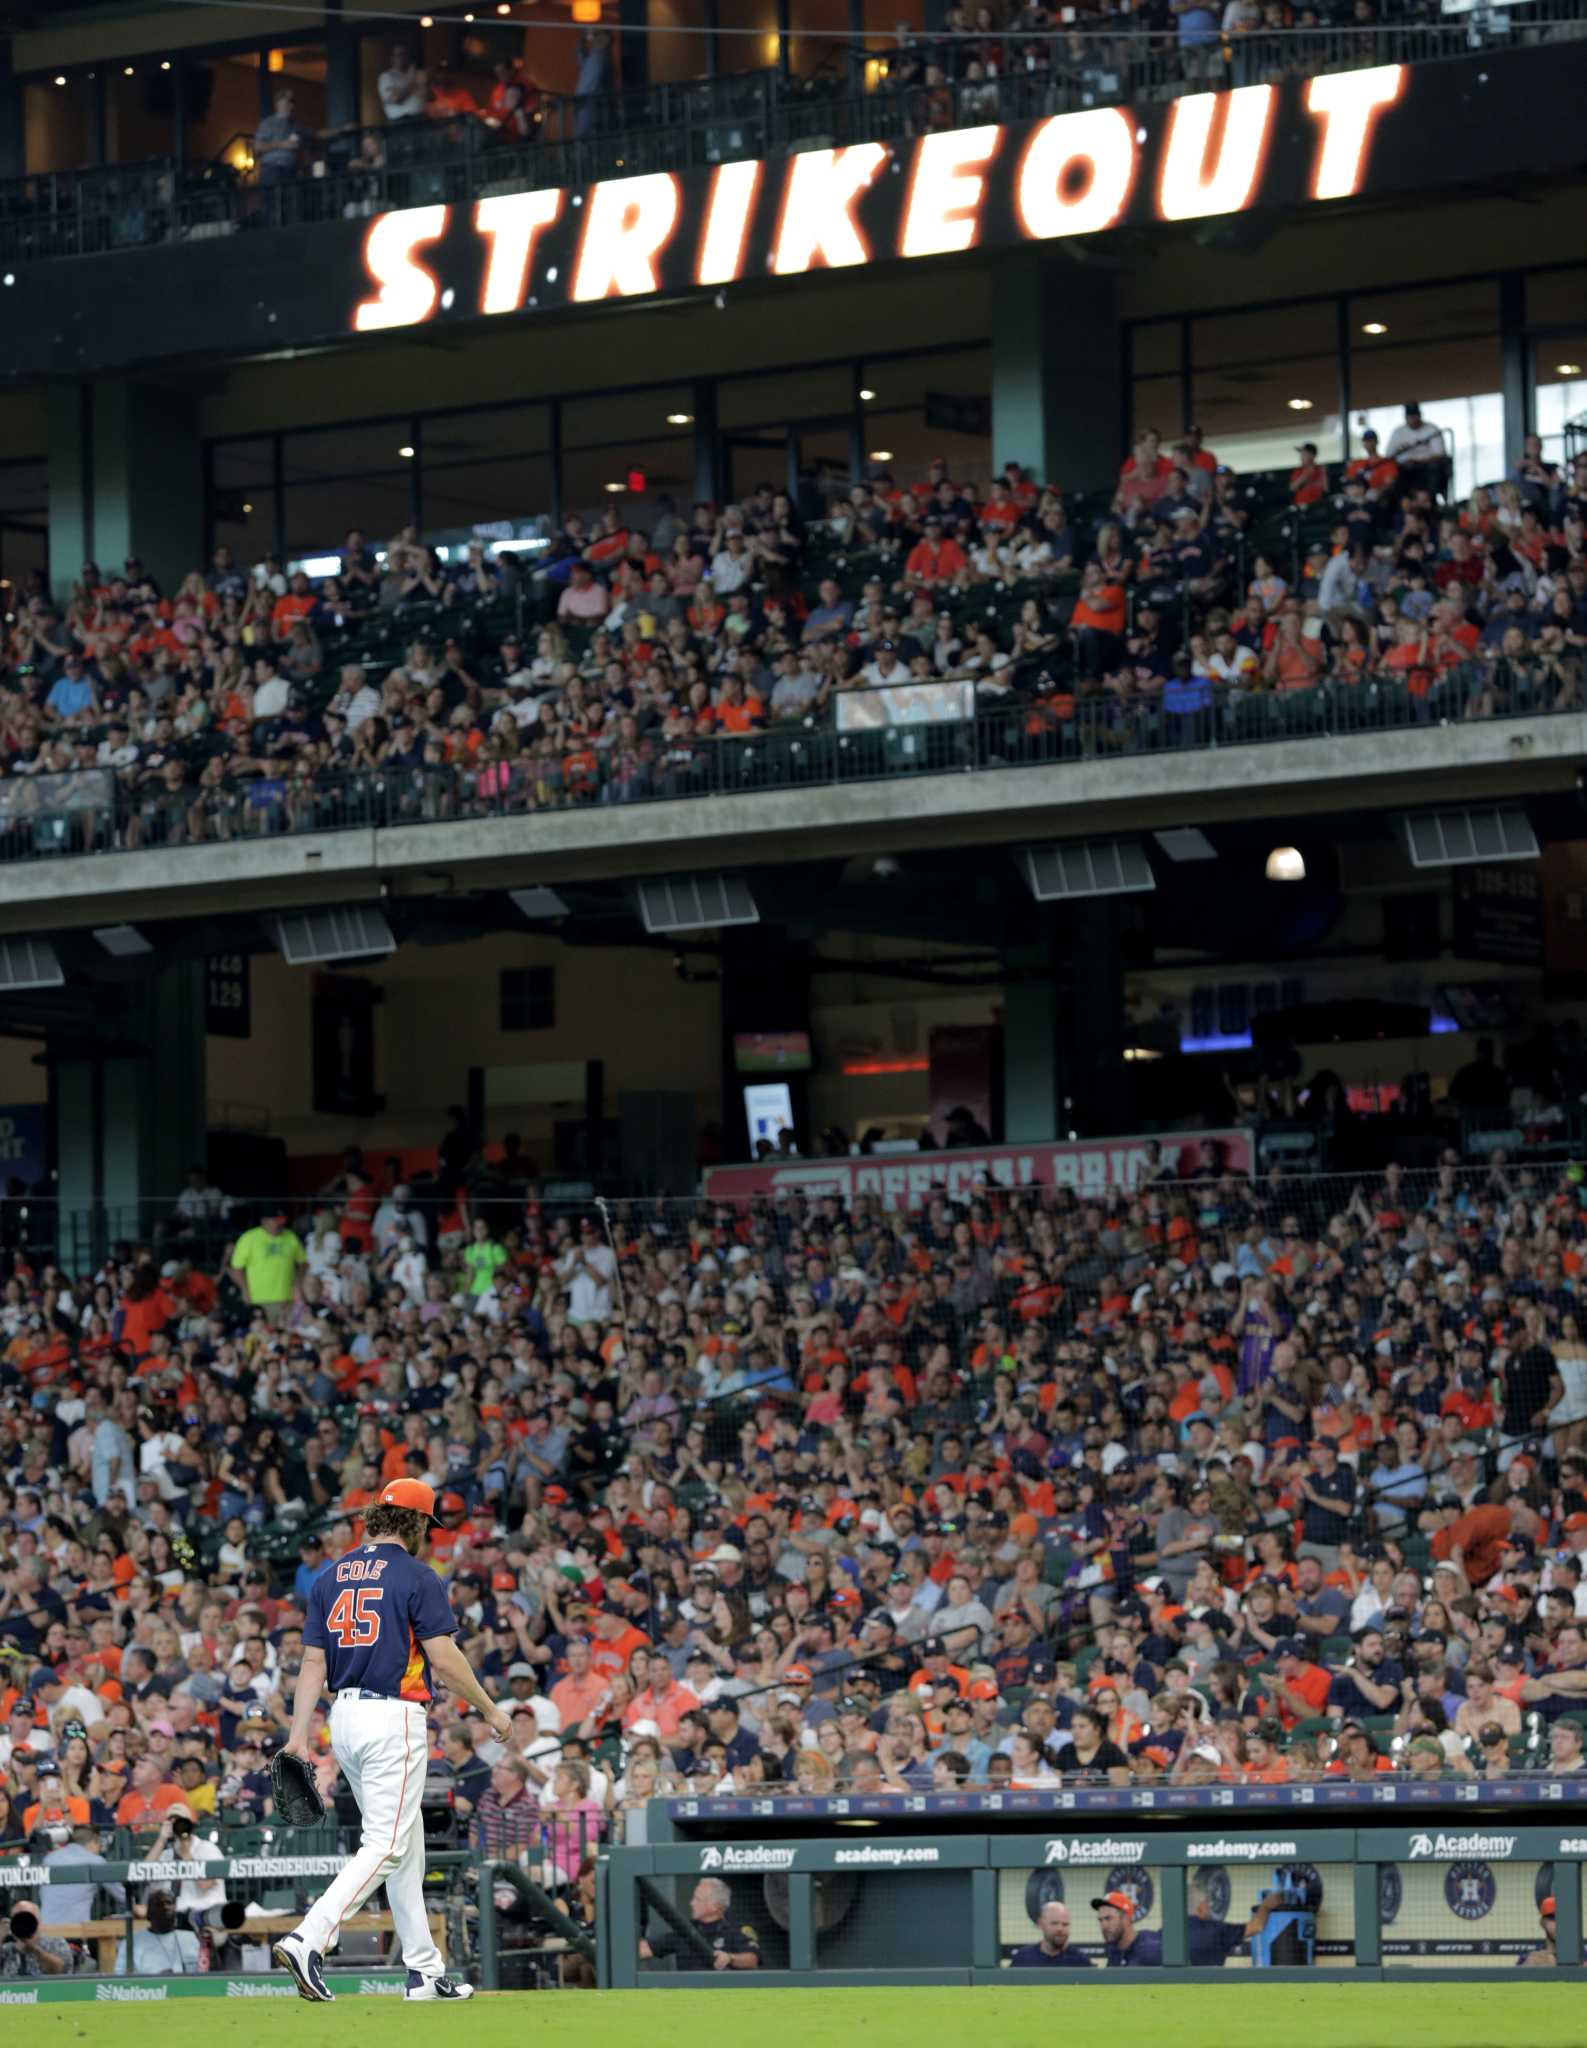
{"type": "Point", "coordinates": [370, 1612]}
{"type": "Point", "coordinates": [1210, 1943]}
{"type": "Point", "coordinates": [1035, 1957]}
{"type": "Point", "coordinates": [1145, 1952]}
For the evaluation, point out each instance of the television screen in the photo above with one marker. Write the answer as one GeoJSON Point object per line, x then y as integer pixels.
{"type": "Point", "coordinates": [772, 1052]}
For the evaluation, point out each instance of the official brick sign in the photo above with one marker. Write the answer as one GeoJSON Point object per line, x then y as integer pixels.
{"type": "Point", "coordinates": [1089, 1167]}
{"type": "Point", "coordinates": [939, 195]}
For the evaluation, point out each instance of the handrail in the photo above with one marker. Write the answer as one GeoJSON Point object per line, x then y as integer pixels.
{"type": "Point", "coordinates": [697, 122]}
{"type": "Point", "coordinates": [92, 811]}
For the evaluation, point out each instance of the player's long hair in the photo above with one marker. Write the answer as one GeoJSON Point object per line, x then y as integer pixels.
{"type": "Point", "coordinates": [406, 1524]}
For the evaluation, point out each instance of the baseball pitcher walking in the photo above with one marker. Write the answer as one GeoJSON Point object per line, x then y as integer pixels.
{"type": "Point", "coordinates": [379, 1626]}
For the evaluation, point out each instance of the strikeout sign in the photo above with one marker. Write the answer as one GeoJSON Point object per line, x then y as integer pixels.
{"type": "Point", "coordinates": [941, 194]}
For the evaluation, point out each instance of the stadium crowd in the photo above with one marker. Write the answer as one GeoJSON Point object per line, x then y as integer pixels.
{"type": "Point", "coordinates": [261, 699]}
{"type": "Point", "coordinates": [1208, 1481]}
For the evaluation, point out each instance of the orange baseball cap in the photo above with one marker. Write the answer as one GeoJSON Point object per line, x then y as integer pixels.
{"type": "Point", "coordinates": [983, 1689]}
{"type": "Point", "coordinates": [1545, 1909]}
{"type": "Point", "coordinates": [410, 1493]}
{"type": "Point", "coordinates": [1121, 1900]}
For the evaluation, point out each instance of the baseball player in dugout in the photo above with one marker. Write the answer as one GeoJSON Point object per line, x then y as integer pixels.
{"type": "Point", "coordinates": [379, 1631]}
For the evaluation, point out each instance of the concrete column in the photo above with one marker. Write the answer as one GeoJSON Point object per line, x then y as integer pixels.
{"type": "Point", "coordinates": [13, 154]}
{"type": "Point", "coordinates": [127, 1092]}
{"type": "Point", "coordinates": [1030, 1038]}
{"type": "Point", "coordinates": [126, 478]}
{"type": "Point", "coordinates": [343, 85]}
{"type": "Point", "coordinates": [1515, 365]}
{"type": "Point", "coordinates": [1063, 1030]}
{"type": "Point", "coordinates": [1057, 369]}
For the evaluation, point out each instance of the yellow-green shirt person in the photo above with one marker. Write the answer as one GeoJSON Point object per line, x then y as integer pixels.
{"type": "Point", "coordinates": [266, 1261]}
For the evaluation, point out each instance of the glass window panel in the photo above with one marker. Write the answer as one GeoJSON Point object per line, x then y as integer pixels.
{"type": "Point", "coordinates": [1441, 313]}
{"type": "Point", "coordinates": [1154, 347]}
{"type": "Point", "coordinates": [462, 494]}
{"type": "Point", "coordinates": [607, 423]}
{"type": "Point", "coordinates": [24, 490]}
{"type": "Point", "coordinates": [140, 105]}
{"type": "Point", "coordinates": [775, 399]}
{"type": "Point", "coordinates": [932, 405]}
{"type": "Point", "coordinates": [666, 460]}
{"type": "Point", "coordinates": [1261, 382]}
{"type": "Point", "coordinates": [58, 123]}
{"type": "Point", "coordinates": [1253, 419]}
{"type": "Point", "coordinates": [222, 106]}
{"type": "Point", "coordinates": [819, 43]}
{"type": "Point", "coordinates": [1154, 402]}
{"type": "Point", "coordinates": [1559, 370]}
{"type": "Point", "coordinates": [313, 455]}
{"type": "Point", "coordinates": [319, 515]}
{"type": "Point", "coordinates": [749, 36]}
{"type": "Point", "coordinates": [241, 465]}
{"type": "Point", "coordinates": [244, 522]}
{"type": "Point", "coordinates": [679, 47]}
{"type": "Point", "coordinates": [963, 373]}
{"type": "Point", "coordinates": [1557, 298]}
{"type": "Point", "coordinates": [1273, 336]}
{"type": "Point", "coordinates": [486, 466]}
{"type": "Point", "coordinates": [22, 556]}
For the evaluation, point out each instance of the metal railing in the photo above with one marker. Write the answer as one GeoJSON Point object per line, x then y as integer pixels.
{"type": "Point", "coordinates": [95, 811]}
{"type": "Point", "coordinates": [352, 172]}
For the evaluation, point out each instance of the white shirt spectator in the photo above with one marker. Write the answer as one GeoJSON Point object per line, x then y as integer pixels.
{"type": "Point", "coordinates": [1411, 445]}
{"type": "Point", "coordinates": [402, 93]}
{"type": "Point", "coordinates": [587, 1272]}
{"type": "Point", "coordinates": [202, 1894]}
{"type": "Point", "coordinates": [410, 1270]}
{"type": "Point", "coordinates": [151, 1460]}
{"type": "Point", "coordinates": [731, 571]}
{"type": "Point", "coordinates": [365, 705]}
{"type": "Point", "coordinates": [272, 697]}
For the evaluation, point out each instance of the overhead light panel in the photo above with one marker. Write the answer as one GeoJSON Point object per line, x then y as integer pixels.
{"type": "Point", "coordinates": [1186, 842]}
{"type": "Point", "coordinates": [1077, 868]}
{"type": "Point", "coordinates": [28, 963]}
{"type": "Point", "coordinates": [1286, 864]}
{"type": "Point", "coordinates": [538, 903]}
{"type": "Point", "coordinates": [692, 903]}
{"type": "Point", "coordinates": [311, 938]}
{"type": "Point", "coordinates": [1453, 839]}
{"type": "Point", "coordinates": [122, 940]}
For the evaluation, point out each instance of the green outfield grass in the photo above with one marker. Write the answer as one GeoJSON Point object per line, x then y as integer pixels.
{"type": "Point", "coordinates": [1231, 2014]}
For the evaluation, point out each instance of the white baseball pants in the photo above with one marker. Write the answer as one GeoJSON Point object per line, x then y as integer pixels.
{"type": "Point", "coordinates": [383, 1747]}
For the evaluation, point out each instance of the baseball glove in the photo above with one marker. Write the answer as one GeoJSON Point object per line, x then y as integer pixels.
{"type": "Point", "coordinates": [297, 1797]}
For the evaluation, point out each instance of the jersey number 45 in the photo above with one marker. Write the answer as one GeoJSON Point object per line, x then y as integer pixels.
{"type": "Point", "coordinates": [354, 1619]}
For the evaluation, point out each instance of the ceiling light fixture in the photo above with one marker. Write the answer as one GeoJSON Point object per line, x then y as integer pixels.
{"type": "Point", "coordinates": [406, 454]}
{"type": "Point", "coordinates": [1300, 405]}
{"type": "Point", "coordinates": [1568, 369]}
{"type": "Point", "coordinates": [1374, 327]}
{"type": "Point", "coordinates": [1286, 864]}
{"type": "Point", "coordinates": [615, 488]}
{"type": "Point", "coordinates": [680, 419]}
{"type": "Point", "coordinates": [866, 396]}
{"type": "Point", "coordinates": [881, 455]}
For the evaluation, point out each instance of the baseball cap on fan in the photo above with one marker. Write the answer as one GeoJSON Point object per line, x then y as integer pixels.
{"type": "Point", "coordinates": [410, 1493]}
